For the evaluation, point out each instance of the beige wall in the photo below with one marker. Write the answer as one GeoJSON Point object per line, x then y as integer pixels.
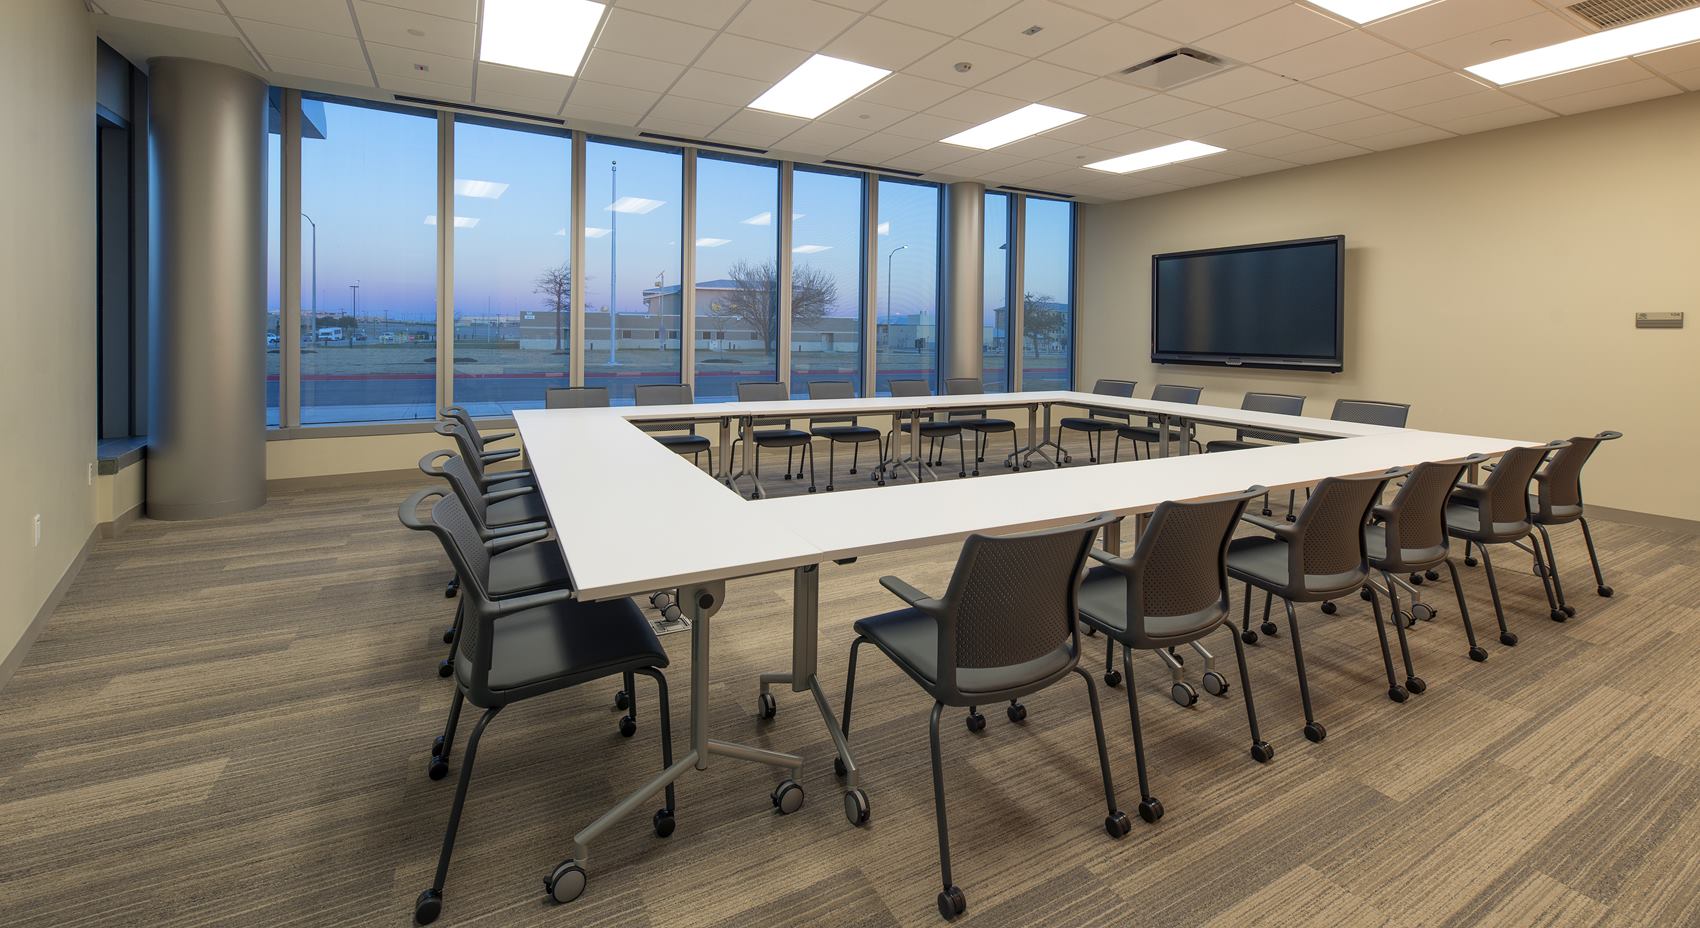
{"type": "Point", "coordinates": [1491, 281]}
{"type": "Point", "coordinates": [47, 270]}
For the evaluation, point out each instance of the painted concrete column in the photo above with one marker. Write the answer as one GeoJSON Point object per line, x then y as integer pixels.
{"type": "Point", "coordinates": [964, 283]}
{"type": "Point", "coordinates": [207, 208]}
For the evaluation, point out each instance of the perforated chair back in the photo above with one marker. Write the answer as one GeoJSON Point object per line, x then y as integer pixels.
{"type": "Point", "coordinates": [1106, 387]}
{"type": "Point", "coordinates": [575, 397]}
{"type": "Point", "coordinates": [463, 416]}
{"type": "Point", "coordinates": [1013, 599]}
{"type": "Point", "coordinates": [447, 465]}
{"type": "Point", "coordinates": [1177, 581]}
{"type": "Point", "coordinates": [1504, 502]}
{"type": "Point", "coordinates": [909, 388]}
{"type": "Point", "coordinates": [1328, 551]}
{"type": "Point", "coordinates": [1558, 488]}
{"type": "Point", "coordinates": [453, 525]}
{"type": "Point", "coordinates": [1371, 412]}
{"type": "Point", "coordinates": [1414, 522]}
{"type": "Point", "coordinates": [832, 390]}
{"type": "Point", "coordinates": [471, 451]}
{"type": "Point", "coordinates": [965, 386]}
{"type": "Point", "coordinates": [1286, 404]}
{"type": "Point", "coordinates": [1173, 393]}
{"type": "Point", "coordinates": [765, 391]}
{"type": "Point", "coordinates": [663, 394]}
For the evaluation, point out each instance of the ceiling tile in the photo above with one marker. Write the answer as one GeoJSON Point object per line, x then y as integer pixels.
{"type": "Point", "coordinates": [1109, 9]}
{"type": "Point", "coordinates": [1249, 134]}
{"type": "Point", "coordinates": [908, 92]}
{"type": "Point", "coordinates": [519, 82]}
{"type": "Point", "coordinates": [1379, 124]}
{"type": "Point", "coordinates": [882, 145]}
{"type": "Point", "coordinates": [804, 24]}
{"type": "Point", "coordinates": [1448, 19]}
{"type": "Point", "coordinates": [762, 140]}
{"type": "Point", "coordinates": [987, 63]}
{"type": "Point", "coordinates": [865, 115]}
{"type": "Point", "coordinates": [1328, 114]}
{"type": "Point", "coordinates": [928, 127]}
{"type": "Point", "coordinates": [699, 84]}
{"type": "Point", "coordinates": [1038, 146]}
{"type": "Point", "coordinates": [923, 158]}
{"type": "Point", "coordinates": [770, 126]}
{"type": "Point", "coordinates": [1598, 77]}
{"type": "Point", "coordinates": [519, 103]}
{"type": "Point", "coordinates": [711, 14]}
{"type": "Point", "coordinates": [884, 44]}
{"type": "Point", "coordinates": [1138, 140]}
{"type": "Point", "coordinates": [1081, 154]}
{"type": "Point", "coordinates": [1379, 75]}
{"type": "Point", "coordinates": [1097, 96]}
{"type": "Point", "coordinates": [1241, 164]}
{"type": "Point", "coordinates": [693, 112]}
{"type": "Point", "coordinates": [976, 106]}
{"type": "Point", "coordinates": [1416, 93]}
{"type": "Point", "coordinates": [1288, 99]}
{"type": "Point", "coordinates": [1286, 145]}
{"type": "Point", "coordinates": [610, 97]}
{"type": "Point", "coordinates": [1333, 151]}
{"type": "Point", "coordinates": [271, 39]}
{"type": "Point", "coordinates": [387, 59]}
{"type": "Point", "coordinates": [1673, 60]}
{"type": "Point", "coordinates": [820, 138]}
{"type": "Point", "coordinates": [1495, 42]}
{"type": "Point", "coordinates": [1034, 81]}
{"type": "Point", "coordinates": [432, 90]}
{"type": "Point", "coordinates": [982, 161]}
{"type": "Point", "coordinates": [1415, 135]}
{"type": "Point", "coordinates": [390, 26]}
{"type": "Point", "coordinates": [668, 126]}
{"type": "Point", "coordinates": [165, 14]}
{"type": "Point", "coordinates": [1110, 49]}
{"type": "Point", "coordinates": [1231, 85]}
{"type": "Point", "coordinates": [1498, 119]}
{"type": "Point", "coordinates": [466, 10]}
{"type": "Point", "coordinates": [1689, 78]}
{"type": "Point", "coordinates": [1274, 32]}
{"type": "Point", "coordinates": [651, 36]}
{"type": "Point", "coordinates": [578, 112]}
{"type": "Point", "coordinates": [860, 6]}
{"type": "Point", "coordinates": [951, 17]}
{"type": "Point", "coordinates": [1191, 174]}
{"type": "Point", "coordinates": [1202, 123]}
{"type": "Point", "coordinates": [1153, 110]}
{"type": "Point", "coordinates": [1470, 104]}
{"type": "Point", "coordinates": [1191, 20]}
{"type": "Point", "coordinates": [1646, 89]}
{"type": "Point", "coordinates": [607, 66]}
{"type": "Point", "coordinates": [751, 58]}
{"type": "Point", "coordinates": [1335, 53]}
{"type": "Point", "coordinates": [360, 77]}
{"type": "Point", "coordinates": [1059, 25]}
{"type": "Point", "coordinates": [318, 15]}
{"type": "Point", "coordinates": [1088, 131]}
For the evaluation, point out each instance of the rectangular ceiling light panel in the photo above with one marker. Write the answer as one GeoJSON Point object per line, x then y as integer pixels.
{"type": "Point", "coordinates": [539, 35]}
{"type": "Point", "coordinates": [1367, 11]}
{"type": "Point", "coordinates": [817, 85]}
{"type": "Point", "coordinates": [1154, 157]}
{"type": "Point", "coordinates": [1649, 35]}
{"type": "Point", "coordinates": [1013, 127]}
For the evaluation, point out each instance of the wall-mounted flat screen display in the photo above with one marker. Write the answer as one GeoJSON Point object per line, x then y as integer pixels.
{"type": "Point", "coordinates": [1279, 304]}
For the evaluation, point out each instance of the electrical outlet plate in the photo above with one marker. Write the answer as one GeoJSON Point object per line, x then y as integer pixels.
{"type": "Point", "coordinates": [1658, 320]}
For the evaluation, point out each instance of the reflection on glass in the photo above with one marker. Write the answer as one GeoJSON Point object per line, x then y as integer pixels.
{"type": "Point", "coordinates": [994, 324]}
{"type": "Point", "coordinates": [632, 220]}
{"type": "Point", "coordinates": [1047, 313]}
{"type": "Point", "coordinates": [737, 289]}
{"type": "Point", "coordinates": [909, 284]}
{"type": "Point", "coordinates": [826, 279]}
{"type": "Point", "coordinates": [274, 298]}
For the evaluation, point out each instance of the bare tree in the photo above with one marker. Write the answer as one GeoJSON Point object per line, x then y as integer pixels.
{"type": "Point", "coordinates": [556, 285]}
{"type": "Point", "coordinates": [1041, 319]}
{"type": "Point", "coordinates": [754, 299]}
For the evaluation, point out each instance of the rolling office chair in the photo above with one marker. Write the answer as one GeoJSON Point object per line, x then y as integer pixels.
{"type": "Point", "coordinates": [933, 430]}
{"type": "Point", "coordinates": [1369, 412]}
{"type": "Point", "coordinates": [477, 461]}
{"type": "Point", "coordinates": [545, 641]}
{"type": "Point", "coordinates": [976, 421]}
{"type": "Point", "coordinates": [1172, 591]}
{"type": "Point", "coordinates": [1007, 626]}
{"type": "Point", "coordinates": [1496, 512]}
{"type": "Point", "coordinates": [462, 415]}
{"type": "Point", "coordinates": [1151, 431]}
{"type": "Point", "coordinates": [1558, 501]}
{"type": "Point", "coordinates": [1286, 404]}
{"type": "Point", "coordinates": [1321, 555]}
{"type": "Point", "coordinates": [839, 430]}
{"type": "Point", "coordinates": [673, 394]}
{"type": "Point", "coordinates": [575, 397]}
{"type": "Point", "coordinates": [1097, 421]}
{"type": "Point", "coordinates": [780, 434]}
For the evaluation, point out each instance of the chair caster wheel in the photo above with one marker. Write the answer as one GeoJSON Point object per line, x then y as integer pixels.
{"type": "Point", "coordinates": [1117, 824]}
{"type": "Point", "coordinates": [437, 746]}
{"type": "Point", "coordinates": [1268, 512]}
{"type": "Point", "coordinates": [1262, 752]}
{"type": "Point", "coordinates": [766, 706]}
{"type": "Point", "coordinates": [1270, 629]}
{"type": "Point", "coordinates": [1509, 639]}
{"type": "Point", "coordinates": [1569, 611]}
{"type": "Point", "coordinates": [1328, 607]}
{"type": "Point", "coordinates": [1366, 595]}
{"type": "Point", "coordinates": [664, 823]}
{"type": "Point", "coordinates": [1292, 518]}
{"type": "Point", "coordinates": [1416, 579]}
{"type": "Point", "coordinates": [1415, 684]}
{"type": "Point", "coordinates": [1112, 678]}
{"type": "Point", "coordinates": [445, 668]}
{"type": "Point", "coordinates": [1423, 612]}
{"type": "Point", "coordinates": [628, 726]}
{"type": "Point", "coordinates": [427, 907]}
{"type": "Point", "coordinates": [567, 882]}
{"type": "Point", "coordinates": [976, 722]}
{"type": "Point", "coordinates": [1605, 591]}
{"type": "Point", "coordinates": [1017, 712]}
{"type": "Point", "coordinates": [786, 477]}
{"type": "Point", "coordinates": [1315, 732]}
{"type": "Point", "coordinates": [788, 796]}
{"type": "Point", "coordinates": [1470, 561]}
{"type": "Point", "coordinates": [1215, 684]}
{"type": "Point", "coordinates": [1248, 636]}
{"type": "Point", "coordinates": [1540, 570]}
{"type": "Point", "coordinates": [622, 700]}
{"type": "Point", "coordinates": [1397, 693]}
{"type": "Point", "coordinates": [437, 768]}
{"type": "Point", "coordinates": [448, 636]}
{"type": "Point", "coordinates": [1151, 809]}
{"type": "Point", "coordinates": [1184, 695]}
{"type": "Point", "coordinates": [1558, 615]}
{"type": "Point", "coordinates": [1091, 632]}
{"type": "Point", "coordinates": [1432, 574]}
{"type": "Point", "coordinates": [952, 903]}
{"type": "Point", "coordinates": [1478, 654]}
{"type": "Point", "coordinates": [811, 489]}
{"type": "Point", "coordinates": [839, 768]}
{"type": "Point", "coordinates": [856, 807]}
{"type": "Point", "coordinates": [1404, 620]}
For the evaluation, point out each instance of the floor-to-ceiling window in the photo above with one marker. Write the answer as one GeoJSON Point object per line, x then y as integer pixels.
{"type": "Point", "coordinates": [274, 277]}
{"type": "Point", "coordinates": [632, 218]}
{"type": "Point", "coordinates": [1047, 314]}
{"type": "Point", "coordinates": [513, 278]}
{"type": "Point", "coordinates": [737, 273]}
{"type": "Point", "coordinates": [827, 235]}
{"type": "Point", "coordinates": [994, 320]}
{"type": "Point", "coordinates": [908, 297]}
{"type": "Point", "coordinates": [368, 266]}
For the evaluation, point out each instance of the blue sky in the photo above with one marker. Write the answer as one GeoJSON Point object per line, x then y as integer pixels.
{"type": "Point", "coordinates": [370, 187]}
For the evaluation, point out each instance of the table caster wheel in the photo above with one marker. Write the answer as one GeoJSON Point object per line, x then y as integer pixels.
{"type": "Point", "coordinates": [1366, 594]}
{"type": "Point", "coordinates": [1117, 824]}
{"type": "Point", "coordinates": [1558, 615]}
{"type": "Point", "coordinates": [1270, 629]}
{"type": "Point", "coordinates": [766, 706]}
{"type": "Point", "coordinates": [839, 768]}
{"type": "Point", "coordinates": [1478, 654]}
{"type": "Point", "coordinates": [1262, 752]}
{"type": "Point", "coordinates": [437, 746]}
{"type": "Point", "coordinates": [628, 726]}
{"type": "Point", "coordinates": [1215, 684]}
{"type": "Point", "coordinates": [1509, 639]}
{"type": "Point", "coordinates": [445, 668]}
{"type": "Point", "coordinates": [788, 796]}
{"type": "Point", "coordinates": [1397, 693]}
{"type": "Point", "coordinates": [1569, 611]}
{"type": "Point", "coordinates": [856, 807]}
{"type": "Point", "coordinates": [1415, 684]}
{"type": "Point", "coordinates": [1328, 607]}
{"type": "Point", "coordinates": [1017, 712]}
{"type": "Point", "coordinates": [567, 882]}
{"type": "Point", "coordinates": [1315, 732]}
{"type": "Point", "coordinates": [1423, 612]}
{"type": "Point", "coordinates": [1471, 561]}
{"type": "Point", "coordinates": [1605, 591]}
{"type": "Point", "coordinates": [1432, 574]}
{"type": "Point", "coordinates": [427, 907]}
{"type": "Point", "coordinates": [1183, 694]}
{"type": "Point", "coordinates": [952, 903]}
{"type": "Point", "coordinates": [1248, 636]}
{"type": "Point", "coordinates": [1112, 678]}
{"type": "Point", "coordinates": [976, 722]}
{"type": "Point", "coordinates": [664, 823]}
{"type": "Point", "coordinates": [437, 768]}
{"type": "Point", "coordinates": [1151, 809]}
{"type": "Point", "coordinates": [622, 700]}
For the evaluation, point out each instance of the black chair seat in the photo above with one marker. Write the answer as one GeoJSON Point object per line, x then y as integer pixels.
{"type": "Point", "coordinates": [1229, 444]}
{"type": "Point", "coordinates": [528, 568]}
{"type": "Point", "coordinates": [932, 429]}
{"type": "Point", "coordinates": [781, 438]}
{"type": "Point", "coordinates": [553, 647]}
{"type": "Point", "coordinates": [526, 508]}
{"type": "Point", "coordinates": [983, 424]}
{"type": "Point", "coordinates": [1148, 434]}
{"type": "Point", "coordinates": [849, 434]}
{"type": "Point", "coordinates": [685, 444]}
{"type": "Point", "coordinates": [1084, 424]}
{"type": "Point", "coordinates": [910, 638]}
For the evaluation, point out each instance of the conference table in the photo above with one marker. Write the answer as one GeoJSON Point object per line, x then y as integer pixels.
{"type": "Point", "coordinates": [632, 517]}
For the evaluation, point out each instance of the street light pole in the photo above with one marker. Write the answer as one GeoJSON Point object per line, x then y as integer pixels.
{"type": "Point", "coordinates": [888, 258]}
{"type": "Point", "coordinates": [315, 298]}
{"type": "Point", "coordinates": [613, 265]}
{"type": "Point", "coordinates": [354, 315]}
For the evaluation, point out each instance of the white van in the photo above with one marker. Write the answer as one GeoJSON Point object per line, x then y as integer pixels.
{"type": "Point", "coordinates": [331, 333]}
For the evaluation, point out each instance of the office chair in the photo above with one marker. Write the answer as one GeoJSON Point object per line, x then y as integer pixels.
{"type": "Point", "coordinates": [476, 461]}
{"type": "Point", "coordinates": [1558, 501]}
{"type": "Point", "coordinates": [1172, 591]}
{"type": "Point", "coordinates": [1151, 431]}
{"type": "Point", "coordinates": [1286, 404]}
{"type": "Point", "coordinates": [976, 421]}
{"type": "Point", "coordinates": [575, 397]}
{"type": "Point", "coordinates": [1319, 556]}
{"type": "Point", "coordinates": [545, 641]}
{"type": "Point", "coordinates": [462, 415]}
{"type": "Point", "coordinates": [1007, 626]}
{"type": "Point", "coordinates": [673, 394]}
{"type": "Point", "coordinates": [841, 429]}
{"type": "Point", "coordinates": [1496, 512]}
{"type": "Point", "coordinates": [779, 434]}
{"type": "Point", "coordinates": [933, 430]}
{"type": "Point", "coordinates": [1097, 421]}
{"type": "Point", "coordinates": [1371, 412]}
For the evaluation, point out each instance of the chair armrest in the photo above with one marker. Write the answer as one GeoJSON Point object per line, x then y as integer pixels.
{"type": "Point", "coordinates": [1469, 491]}
{"type": "Point", "coordinates": [501, 543]}
{"type": "Point", "coordinates": [912, 596]}
{"type": "Point", "coordinates": [409, 511]}
{"type": "Point", "coordinates": [506, 476]}
{"type": "Point", "coordinates": [519, 528]}
{"type": "Point", "coordinates": [1380, 513]}
{"type": "Point", "coordinates": [532, 601]}
{"type": "Point", "coordinates": [1123, 564]}
{"type": "Point", "coordinates": [499, 436]}
{"type": "Point", "coordinates": [496, 457]}
{"type": "Point", "coordinates": [1268, 525]}
{"type": "Point", "coordinates": [497, 496]}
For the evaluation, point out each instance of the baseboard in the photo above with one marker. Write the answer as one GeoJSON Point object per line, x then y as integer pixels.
{"type": "Point", "coordinates": [14, 660]}
{"type": "Point", "coordinates": [338, 481]}
{"type": "Point", "coordinates": [1646, 519]}
{"type": "Point", "coordinates": [123, 521]}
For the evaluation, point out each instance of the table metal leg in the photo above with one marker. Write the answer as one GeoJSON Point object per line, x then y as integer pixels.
{"type": "Point", "coordinates": [725, 474]}
{"type": "Point", "coordinates": [1038, 448]}
{"type": "Point", "coordinates": [912, 465]}
{"type": "Point", "coordinates": [1163, 439]}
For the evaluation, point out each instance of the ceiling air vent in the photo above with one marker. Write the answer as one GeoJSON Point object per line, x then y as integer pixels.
{"type": "Point", "coordinates": [1181, 66]}
{"type": "Point", "coordinates": [1609, 14]}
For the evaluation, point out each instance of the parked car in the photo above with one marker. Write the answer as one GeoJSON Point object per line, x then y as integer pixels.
{"type": "Point", "coordinates": [271, 339]}
{"type": "Point", "coordinates": [359, 338]}
{"type": "Point", "coordinates": [387, 338]}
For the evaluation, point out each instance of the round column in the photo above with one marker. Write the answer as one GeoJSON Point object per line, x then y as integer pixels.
{"type": "Point", "coordinates": [964, 249]}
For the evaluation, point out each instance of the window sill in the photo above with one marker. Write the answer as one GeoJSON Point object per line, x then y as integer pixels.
{"type": "Point", "coordinates": [115, 454]}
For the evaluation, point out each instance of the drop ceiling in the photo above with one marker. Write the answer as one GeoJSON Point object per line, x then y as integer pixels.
{"type": "Point", "coordinates": [1303, 86]}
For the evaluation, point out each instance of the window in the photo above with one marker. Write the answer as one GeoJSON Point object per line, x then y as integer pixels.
{"type": "Point", "coordinates": [274, 275]}
{"type": "Point", "coordinates": [737, 289]}
{"type": "Point", "coordinates": [513, 279]}
{"type": "Point", "coordinates": [1047, 306]}
{"type": "Point", "coordinates": [369, 282]}
{"type": "Point", "coordinates": [994, 326]}
{"type": "Point", "coordinates": [909, 280]}
{"type": "Point", "coordinates": [632, 219]}
{"type": "Point", "coordinates": [827, 235]}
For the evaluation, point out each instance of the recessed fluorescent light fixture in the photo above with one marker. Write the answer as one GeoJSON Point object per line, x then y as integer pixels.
{"type": "Point", "coordinates": [706, 242]}
{"type": "Point", "coordinates": [461, 222]}
{"type": "Point", "coordinates": [1649, 35]}
{"type": "Point", "coordinates": [1154, 157]}
{"type": "Point", "coordinates": [637, 205]}
{"type": "Point", "coordinates": [539, 35]}
{"type": "Point", "coordinates": [810, 249]}
{"type": "Point", "coordinates": [1368, 11]}
{"type": "Point", "coordinates": [817, 85]}
{"type": "Point", "coordinates": [1031, 119]}
{"type": "Point", "coordinates": [482, 189]}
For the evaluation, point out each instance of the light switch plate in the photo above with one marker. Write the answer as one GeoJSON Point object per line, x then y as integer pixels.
{"type": "Point", "coordinates": [1658, 320]}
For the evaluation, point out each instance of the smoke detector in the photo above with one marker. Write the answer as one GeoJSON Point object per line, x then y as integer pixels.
{"type": "Point", "coordinates": [1164, 72]}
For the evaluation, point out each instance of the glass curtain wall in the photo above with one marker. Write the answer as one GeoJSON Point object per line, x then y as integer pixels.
{"type": "Point", "coordinates": [274, 276]}
{"type": "Point", "coordinates": [827, 274]}
{"type": "Point", "coordinates": [737, 274]}
{"type": "Point", "coordinates": [1047, 306]}
{"type": "Point", "coordinates": [994, 325]}
{"type": "Point", "coordinates": [908, 346]}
